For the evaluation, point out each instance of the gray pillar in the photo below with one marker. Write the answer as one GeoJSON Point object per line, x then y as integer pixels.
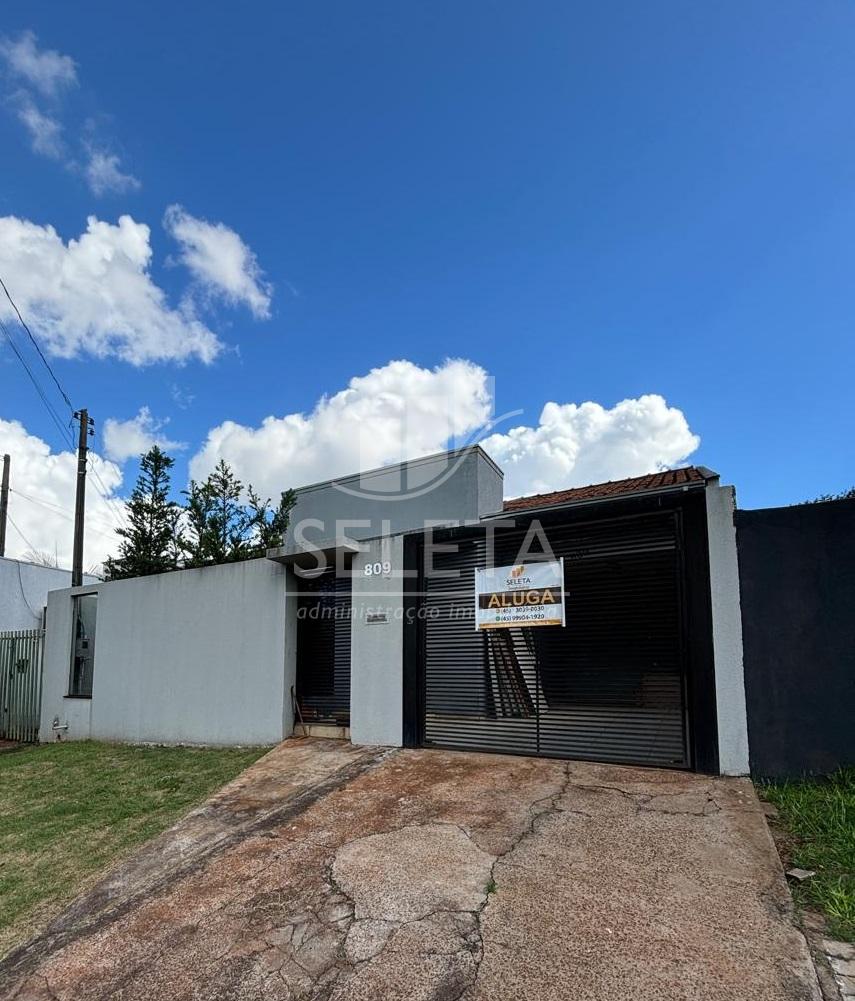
{"type": "Point", "coordinates": [727, 631]}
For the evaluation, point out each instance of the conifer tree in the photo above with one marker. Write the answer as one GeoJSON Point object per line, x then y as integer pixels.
{"type": "Point", "coordinates": [222, 529]}
{"type": "Point", "coordinates": [216, 519]}
{"type": "Point", "coordinates": [268, 526]}
{"type": "Point", "coordinates": [151, 540]}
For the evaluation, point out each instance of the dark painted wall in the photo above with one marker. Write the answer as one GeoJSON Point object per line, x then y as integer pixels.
{"type": "Point", "coordinates": [797, 580]}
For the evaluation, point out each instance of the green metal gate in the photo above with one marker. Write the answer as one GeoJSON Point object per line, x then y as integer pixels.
{"type": "Point", "coordinates": [21, 684]}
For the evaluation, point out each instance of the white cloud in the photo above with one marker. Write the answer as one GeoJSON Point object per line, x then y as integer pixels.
{"type": "Point", "coordinates": [401, 411]}
{"type": "Point", "coordinates": [94, 295]}
{"type": "Point", "coordinates": [105, 176]}
{"type": "Point", "coordinates": [181, 397]}
{"type": "Point", "coordinates": [47, 70]}
{"type": "Point", "coordinates": [219, 260]}
{"type": "Point", "coordinates": [45, 131]}
{"type": "Point", "coordinates": [47, 75]}
{"type": "Point", "coordinates": [41, 502]}
{"type": "Point", "coordinates": [128, 439]}
{"type": "Point", "coordinates": [395, 412]}
{"type": "Point", "coordinates": [577, 444]}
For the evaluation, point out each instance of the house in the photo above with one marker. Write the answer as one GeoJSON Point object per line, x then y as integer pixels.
{"type": "Point", "coordinates": [364, 625]}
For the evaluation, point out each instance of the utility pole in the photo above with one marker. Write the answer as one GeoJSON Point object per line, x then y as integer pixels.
{"type": "Point", "coordinates": [4, 504]}
{"type": "Point", "coordinates": [86, 428]}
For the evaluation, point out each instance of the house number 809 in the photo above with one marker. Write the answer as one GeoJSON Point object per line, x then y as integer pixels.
{"type": "Point", "coordinates": [376, 569]}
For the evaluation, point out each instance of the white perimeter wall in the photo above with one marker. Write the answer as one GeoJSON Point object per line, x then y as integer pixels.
{"type": "Point", "coordinates": [24, 591]}
{"type": "Point", "coordinates": [197, 656]}
{"type": "Point", "coordinates": [727, 632]}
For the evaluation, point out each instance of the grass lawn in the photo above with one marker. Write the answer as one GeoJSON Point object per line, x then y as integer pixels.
{"type": "Point", "coordinates": [67, 810]}
{"type": "Point", "coordinates": [818, 818]}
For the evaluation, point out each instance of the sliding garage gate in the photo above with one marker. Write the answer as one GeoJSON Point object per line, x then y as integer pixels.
{"type": "Point", "coordinates": [608, 686]}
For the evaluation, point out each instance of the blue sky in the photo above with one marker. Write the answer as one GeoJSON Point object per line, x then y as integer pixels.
{"type": "Point", "coordinates": [587, 202]}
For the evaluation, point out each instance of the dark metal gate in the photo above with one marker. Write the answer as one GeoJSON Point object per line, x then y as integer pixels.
{"type": "Point", "coordinates": [21, 653]}
{"type": "Point", "coordinates": [608, 686]}
{"type": "Point", "coordinates": [323, 649]}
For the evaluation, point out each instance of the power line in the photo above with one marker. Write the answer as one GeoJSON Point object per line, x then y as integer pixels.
{"type": "Point", "coordinates": [118, 509]}
{"type": "Point", "coordinates": [113, 506]}
{"type": "Point", "coordinates": [36, 346]}
{"type": "Point", "coordinates": [33, 612]}
{"type": "Point", "coordinates": [18, 530]}
{"type": "Point", "coordinates": [56, 509]}
{"type": "Point", "coordinates": [54, 416]}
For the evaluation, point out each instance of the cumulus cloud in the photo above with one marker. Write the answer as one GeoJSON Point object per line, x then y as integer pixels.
{"type": "Point", "coordinates": [94, 295]}
{"type": "Point", "coordinates": [128, 439]}
{"type": "Point", "coordinates": [47, 70]}
{"type": "Point", "coordinates": [577, 444]}
{"type": "Point", "coordinates": [395, 412]}
{"type": "Point", "coordinates": [41, 502]}
{"type": "Point", "coordinates": [221, 263]}
{"type": "Point", "coordinates": [104, 174]}
{"type": "Point", "coordinates": [402, 411]}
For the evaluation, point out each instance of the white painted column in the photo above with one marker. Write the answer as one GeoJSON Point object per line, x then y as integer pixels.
{"type": "Point", "coordinates": [377, 640]}
{"type": "Point", "coordinates": [727, 631]}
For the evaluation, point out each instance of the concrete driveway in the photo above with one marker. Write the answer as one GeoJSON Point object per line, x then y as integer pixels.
{"type": "Point", "coordinates": [333, 872]}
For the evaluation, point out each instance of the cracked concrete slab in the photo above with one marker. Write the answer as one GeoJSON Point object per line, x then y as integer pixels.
{"type": "Point", "coordinates": [412, 872]}
{"type": "Point", "coordinates": [341, 874]}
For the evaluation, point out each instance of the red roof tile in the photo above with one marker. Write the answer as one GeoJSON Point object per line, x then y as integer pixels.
{"type": "Point", "coordinates": [614, 488]}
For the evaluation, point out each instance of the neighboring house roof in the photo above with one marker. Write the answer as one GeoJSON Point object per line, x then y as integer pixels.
{"type": "Point", "coordinates": [668, 479]}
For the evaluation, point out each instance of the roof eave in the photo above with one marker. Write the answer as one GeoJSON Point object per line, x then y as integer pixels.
{"type": "Point", "coordinates": [585, 501]}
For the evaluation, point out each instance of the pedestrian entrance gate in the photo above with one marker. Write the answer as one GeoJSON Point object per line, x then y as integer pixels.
{"type": "Point", "coordinates": [323, 650]}
{"type": "Point", "coordinates": [21, 684]}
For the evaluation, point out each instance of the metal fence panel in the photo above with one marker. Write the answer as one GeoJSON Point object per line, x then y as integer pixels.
{"type": "Point", "coordinates": [21, 654]}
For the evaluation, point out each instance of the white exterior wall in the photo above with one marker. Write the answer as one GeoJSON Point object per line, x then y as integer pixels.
{"type": "Point", "coordinates": [197, 656]}
{"type": "Point", "coordinates": [24, 592]}
{"type": "Point", "coordinates": [376, 648]}
{"type": "Point", "coordinates": [727, 631]}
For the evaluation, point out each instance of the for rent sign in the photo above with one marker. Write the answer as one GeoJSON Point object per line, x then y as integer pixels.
{"type": "Point", "coordinates": [528, 594]}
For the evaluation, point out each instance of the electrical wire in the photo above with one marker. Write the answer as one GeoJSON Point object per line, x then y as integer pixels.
{"type": "Point", "coordinates": [18, 530]}
{"type": "Point", "coordinates": [56, 509]}
{"type": "Point", "coordinates": [113, 506]}
{"type": "Point", "coordinates": [36, 345]}
{"type": "Point", "coordinates": [36, 615]}
{"type": "Point", "coordinates": [32, 548]}
{"type": "Point", "coordinates": [48, 406]}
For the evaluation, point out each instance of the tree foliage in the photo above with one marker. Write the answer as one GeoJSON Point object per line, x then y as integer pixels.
{"type": "Point", "coordinates": [269, 525]}
{"type": "Point", "coordinates": [216, 519]}
{"type": "Point", "coordinates": [150, 539]}
{"type": "Point", "coordinates": [843, 495]}
{"type": "Point", "coordinates": [214, 525]}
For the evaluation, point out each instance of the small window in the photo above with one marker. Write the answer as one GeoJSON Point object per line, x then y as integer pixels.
{"type": "Point", "coordinates": [84, 611]}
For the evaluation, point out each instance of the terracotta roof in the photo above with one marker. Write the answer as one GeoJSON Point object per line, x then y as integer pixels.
{"type": "Point", "coordinates": [614, 488]}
